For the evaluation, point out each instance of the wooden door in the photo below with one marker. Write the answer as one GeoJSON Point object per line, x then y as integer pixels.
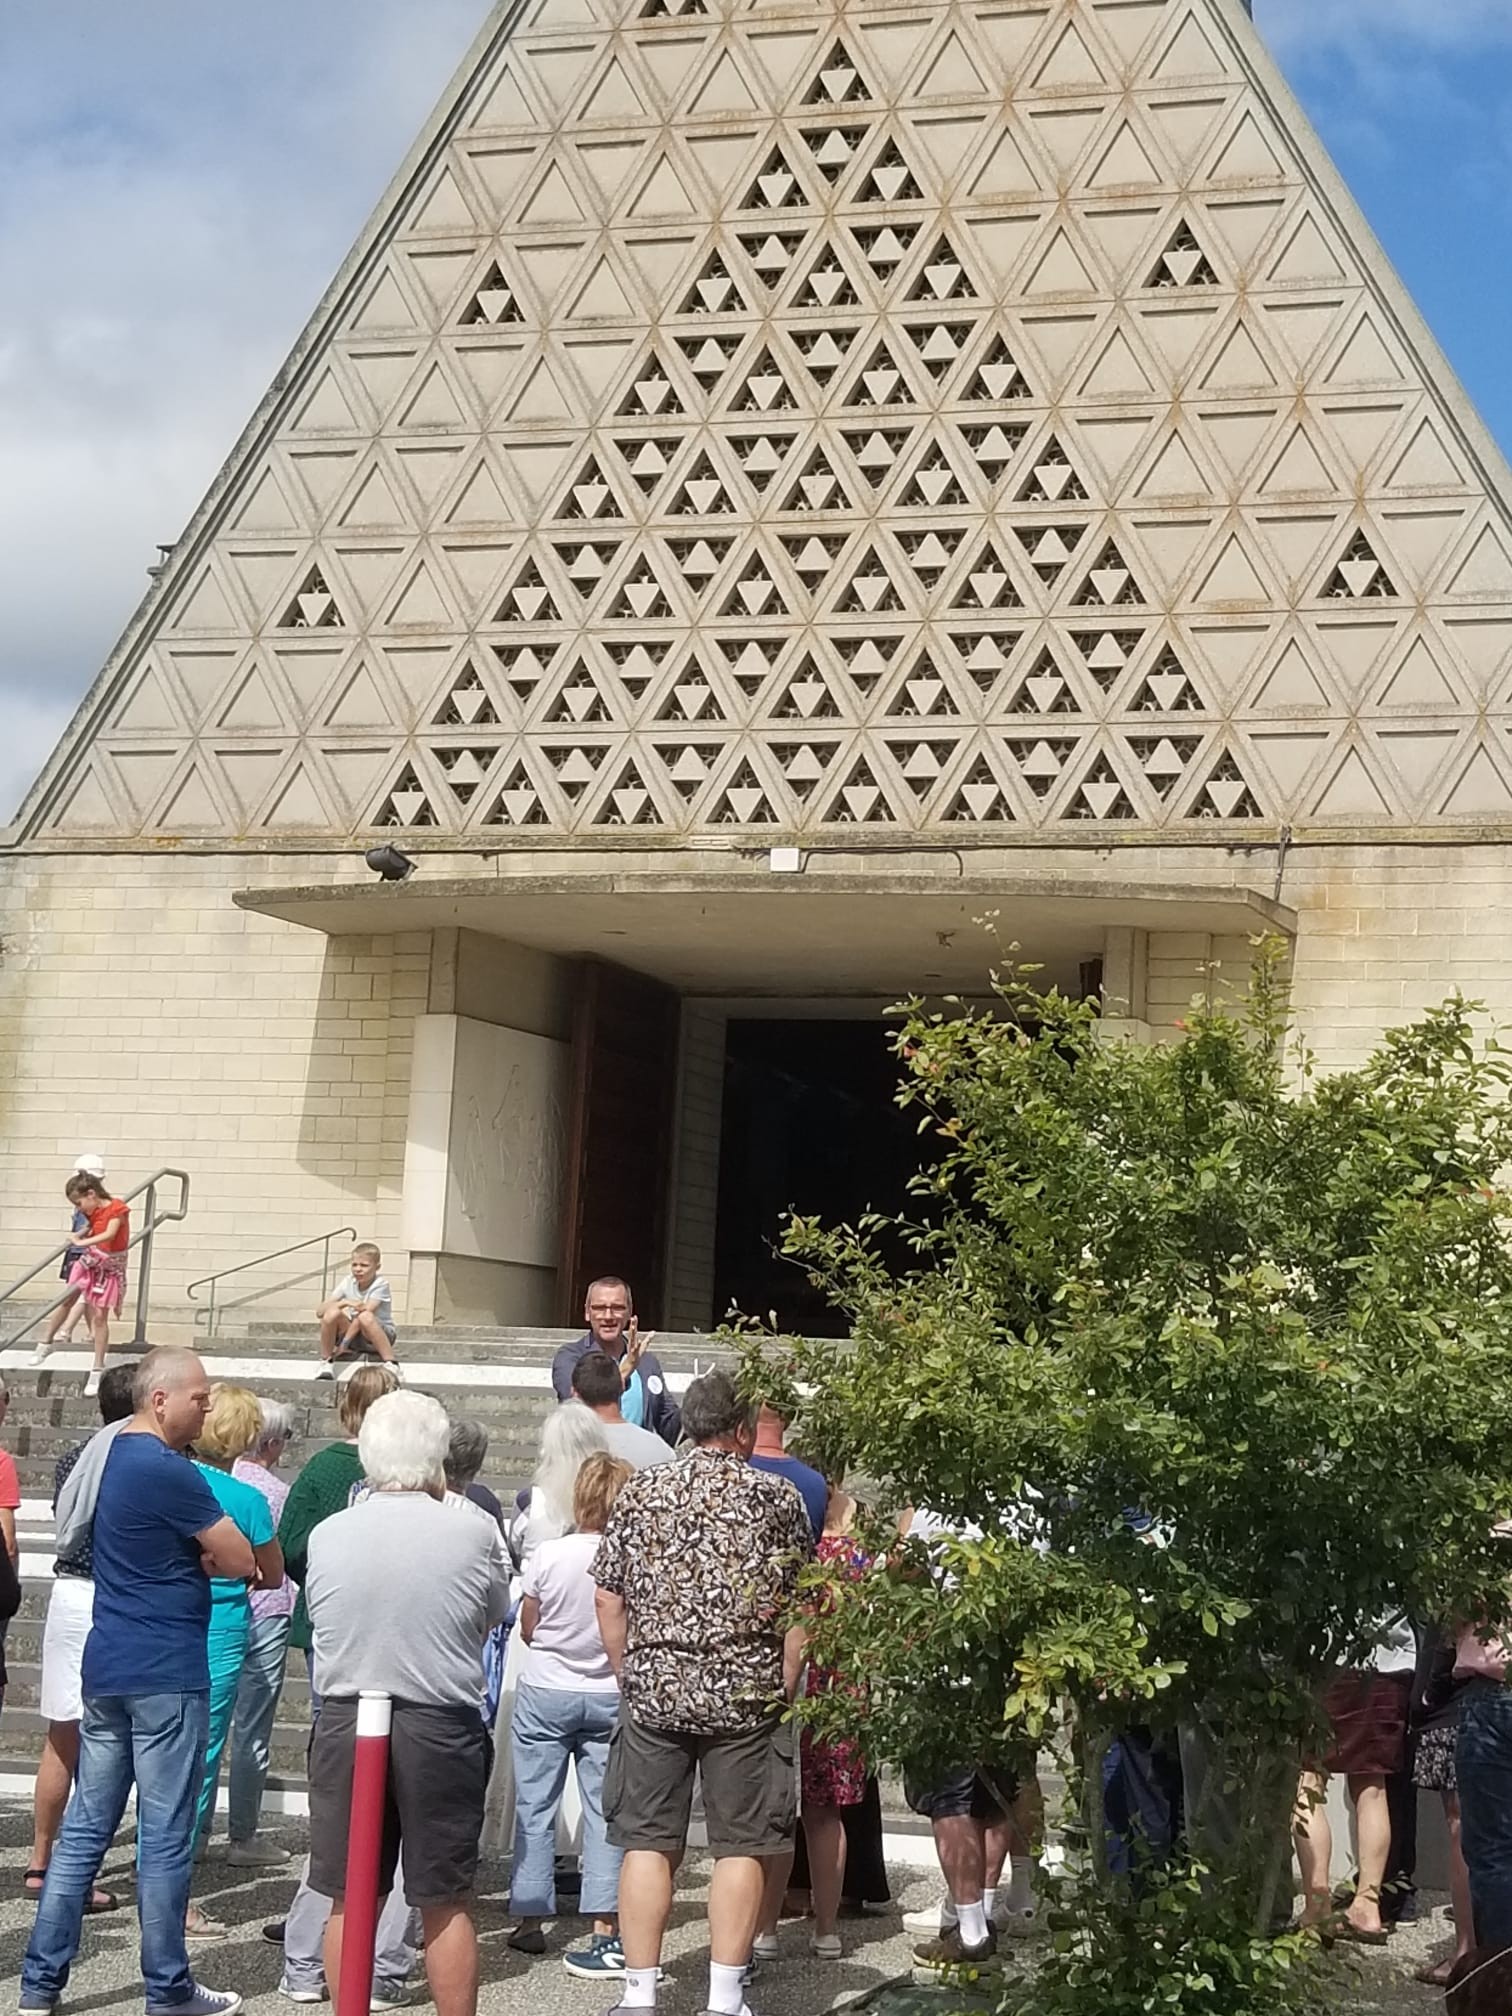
{"type": "Point", "coordinates": [619, 1142]}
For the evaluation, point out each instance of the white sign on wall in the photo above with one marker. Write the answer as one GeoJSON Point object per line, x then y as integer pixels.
{"type": "Point", "coordinates": [487, 1141]}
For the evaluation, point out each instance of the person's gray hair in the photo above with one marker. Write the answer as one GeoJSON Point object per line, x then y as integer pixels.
{"type": "Point", "coordinates": [277, 1427]}
{"type": "Point", "coordinates": [165, 1368]}
{"type": "Point", "coordinates": [467, 1454]}
{"type": "Point", "coordinates": [571, 1435]}
{"type": "Point", "coordinates": [713, 1407]}
{"type": "Point", "coordinates": [403, 1441]}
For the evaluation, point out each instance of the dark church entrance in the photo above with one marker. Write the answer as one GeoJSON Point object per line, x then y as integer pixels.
{"type": "Point", "coordinates": [809, 1125]}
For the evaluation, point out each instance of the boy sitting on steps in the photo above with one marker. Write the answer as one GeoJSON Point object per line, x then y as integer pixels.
{"type": "Point", "coordinates": [358, 1320]}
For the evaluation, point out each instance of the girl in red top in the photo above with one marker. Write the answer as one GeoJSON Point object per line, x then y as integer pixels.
{"type": "Point", "coordinates": [99, 1273]}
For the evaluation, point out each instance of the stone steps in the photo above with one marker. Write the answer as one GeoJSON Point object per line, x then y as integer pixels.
{"type": "Point", "coordinates": [500, 1378]}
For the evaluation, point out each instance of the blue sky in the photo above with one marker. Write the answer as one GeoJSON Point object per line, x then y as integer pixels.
{"type": "Point", "coordinates": [181, 180]}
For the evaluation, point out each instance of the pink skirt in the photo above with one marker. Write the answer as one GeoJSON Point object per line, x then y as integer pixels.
{"type": "Point", "coordinates": [101, 1279]}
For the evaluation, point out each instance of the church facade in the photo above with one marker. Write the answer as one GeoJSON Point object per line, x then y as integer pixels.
{"type": "Point", "coordinates": [774, 486]}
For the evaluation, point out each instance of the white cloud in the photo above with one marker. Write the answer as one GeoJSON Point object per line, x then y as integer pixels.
{"type": "Point", "coordinates": [180, 186]}
{"type": "Point", "coordinates": [32, 726]}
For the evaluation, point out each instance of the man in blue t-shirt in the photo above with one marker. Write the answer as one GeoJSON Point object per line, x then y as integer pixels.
{"type": "Point", "coordinates": [610, 1313]}
{"type": "Point", "coordinates": [158, 1534]}
{"type": "Point", "coordinates": [771, 1454]}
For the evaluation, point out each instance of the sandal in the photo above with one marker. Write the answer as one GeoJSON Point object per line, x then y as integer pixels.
{"type": "Point", "coordinates": [1347, 1930]}
{"type": "Point", "coordinates": [98, 1903]}
{"type": "Point", "coordinates": [1435, 1973]}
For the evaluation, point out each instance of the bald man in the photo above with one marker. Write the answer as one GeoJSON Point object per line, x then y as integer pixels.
{"type": "Point", "coordinates": [159, 1535]}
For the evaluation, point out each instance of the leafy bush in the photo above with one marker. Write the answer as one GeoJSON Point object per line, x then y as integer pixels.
{"type": "Point", "coordinates": [1207, 1359]}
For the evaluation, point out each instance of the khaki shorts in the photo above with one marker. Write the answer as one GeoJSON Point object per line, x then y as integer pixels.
{"type": "Point", "coordinates": [748, 1779]}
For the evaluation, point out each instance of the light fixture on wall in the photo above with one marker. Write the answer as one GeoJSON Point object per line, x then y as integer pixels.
{"type": "Point", "coordinates": [389, 864]}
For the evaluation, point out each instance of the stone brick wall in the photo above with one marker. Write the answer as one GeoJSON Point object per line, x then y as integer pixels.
{"type": "Point", "coordinates": [142, 1015]}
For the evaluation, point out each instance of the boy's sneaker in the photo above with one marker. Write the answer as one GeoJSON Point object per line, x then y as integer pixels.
{"type": "Point", "coordinates": [602, 1955]}
{"type": "Point", "coordinates": [315, 1991]}
{"type": "Point", "coordinates": [203, 2002]}
{"type": "Point", "coordinates": [931, 1923]}
{"type": "Point", "coordinates": [949, 1953]}
{"type": "Point", "coordinates": [325, 1369]}
{"type": "Point", "coordinates": [389, 1995]}
{"type": "Point", "coordinates": [91, 1388]}
{"type": "Point", "coordinates": [42, 2007]}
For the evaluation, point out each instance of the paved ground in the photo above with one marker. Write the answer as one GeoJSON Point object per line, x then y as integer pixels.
{"type": "Point", "coordinates": [795, 1985]}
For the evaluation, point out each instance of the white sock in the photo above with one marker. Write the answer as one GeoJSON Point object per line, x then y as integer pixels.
{"type": "Point", "coordinates": [972, 1919]}
{"type": "Point", "coordinates": [726, 1989]}
{"type": "Point", "coordinates": [989, 1905]}
{"type": "Point", "coordinates": [640, 1987]}
{"type": "Point", "coordinates": [1021, 1888]}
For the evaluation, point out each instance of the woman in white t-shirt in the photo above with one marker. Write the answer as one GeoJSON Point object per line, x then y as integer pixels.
{"type": "Point", "coordinates": [565, 1709]}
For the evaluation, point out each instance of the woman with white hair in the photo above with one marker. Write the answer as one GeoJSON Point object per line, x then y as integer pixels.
{"type": "Point", "coordinates": [262, 1674]}
{"type": "Point", "coordinates": [439, 1583]}
{"type": "Point", "coordinates": [571, 1435]}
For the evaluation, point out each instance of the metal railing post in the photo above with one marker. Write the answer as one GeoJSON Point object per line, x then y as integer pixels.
{"type": "Point", "coordinates": [144, 1268]}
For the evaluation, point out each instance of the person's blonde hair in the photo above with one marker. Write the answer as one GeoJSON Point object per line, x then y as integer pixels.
{"type": "Point", "coordinates": [232, 1425]}
{"type": "Point", "coordinates": [367, 1384]}
{"type": "Point", "coordinates": [366, 1250]}
{"type": "Point", "coordinates": [599, 1482]}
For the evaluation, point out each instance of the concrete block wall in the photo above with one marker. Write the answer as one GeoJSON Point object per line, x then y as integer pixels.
{"type": "Point", "coordinates": [143, 1016]}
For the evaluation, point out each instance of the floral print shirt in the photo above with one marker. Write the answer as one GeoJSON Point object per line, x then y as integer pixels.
{"type": "Point", "coordinates": [706, 1553]}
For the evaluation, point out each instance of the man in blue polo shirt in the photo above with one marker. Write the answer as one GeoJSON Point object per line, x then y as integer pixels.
{"type": "Point", "coordinates": [612, 1329]}
{"type": "Point", "coordinates": [159, 1534]}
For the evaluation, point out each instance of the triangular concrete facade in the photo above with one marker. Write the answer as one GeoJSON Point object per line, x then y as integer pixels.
{"type": "Point", "coordinates": [990, 417]}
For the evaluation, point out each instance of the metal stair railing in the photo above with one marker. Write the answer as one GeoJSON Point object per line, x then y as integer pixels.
{"type": "Point", "coordinates": [212, 1281]}
{"type": "Point", "coordinates": [153, 1215]}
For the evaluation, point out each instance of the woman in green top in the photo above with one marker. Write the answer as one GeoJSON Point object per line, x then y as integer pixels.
{"type": "Point", "coordinates": [232, 1425]}
{"type": "Point", "coordinates": [325, 1485]}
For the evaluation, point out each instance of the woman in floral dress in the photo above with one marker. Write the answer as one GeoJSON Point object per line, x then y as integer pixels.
{"type": "Point", "coordinates": [833, 1771]}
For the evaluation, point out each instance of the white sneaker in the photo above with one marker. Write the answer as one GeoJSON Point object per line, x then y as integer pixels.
{"type": "Point", "coordinates": [388, 1995]}
{"type": "Point", "coordinates": [764, 1946]}
{"type": "Point", "coordinates": [325, 1369]}
{"type": "Point", "coordinates": [826, 1946]}
{"type": "Point", "coordinates": [932, 1922]}
{"type": "Point", "coordinates": [91, 1387]}
{"type": "Point", "coordinates": [255, 1854]}
{"type": "Point", "coordinates": [303, 1994]}
{"type": "Point", "coordinates": [41, 1354]}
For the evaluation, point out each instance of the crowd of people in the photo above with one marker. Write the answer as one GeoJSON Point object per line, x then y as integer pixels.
{"type": "Point", "coordinates": [564, 1672]}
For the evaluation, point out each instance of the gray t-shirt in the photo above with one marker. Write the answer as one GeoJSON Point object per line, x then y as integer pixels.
{"type": "Point", "coordinates": [377, 1294]}
{"type": "Point", "coordinates": [402, 1594]}
{"type": "Point", "coordinates": [635, 1445]}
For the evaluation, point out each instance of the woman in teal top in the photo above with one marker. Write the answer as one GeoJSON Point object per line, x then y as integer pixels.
{"type": "Point", "coordinates": [232, 1425]}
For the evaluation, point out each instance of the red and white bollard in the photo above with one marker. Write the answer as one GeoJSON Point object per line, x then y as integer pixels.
{"type": "Point", "coordinates": [354, 1991]}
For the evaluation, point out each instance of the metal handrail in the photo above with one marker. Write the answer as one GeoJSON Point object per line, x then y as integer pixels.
{"type": "Point", "coordinates": [210, 1281]}
{"type": "Point", "coordinates": [154, 1217]}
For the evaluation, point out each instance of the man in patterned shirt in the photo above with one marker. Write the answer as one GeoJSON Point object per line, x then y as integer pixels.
{"type": "Point", "coordinates": [697, 1573]}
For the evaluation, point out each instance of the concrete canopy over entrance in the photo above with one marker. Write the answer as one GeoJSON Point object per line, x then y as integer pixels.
{"type": "Point", "coordinates": [804, 934]}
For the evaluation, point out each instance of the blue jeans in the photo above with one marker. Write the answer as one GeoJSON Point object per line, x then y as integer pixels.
{"type": "Point", "coordinates": [1483, 1761]}
{"type": "Point", "coordinates": [1142, 1818]}
{"type": "Point", "coordinates": [257, 1695]}
{"type": "Point", "coordinates": [549, 1728]}
{"type": "Point", "coordinates": [157, 1743]}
